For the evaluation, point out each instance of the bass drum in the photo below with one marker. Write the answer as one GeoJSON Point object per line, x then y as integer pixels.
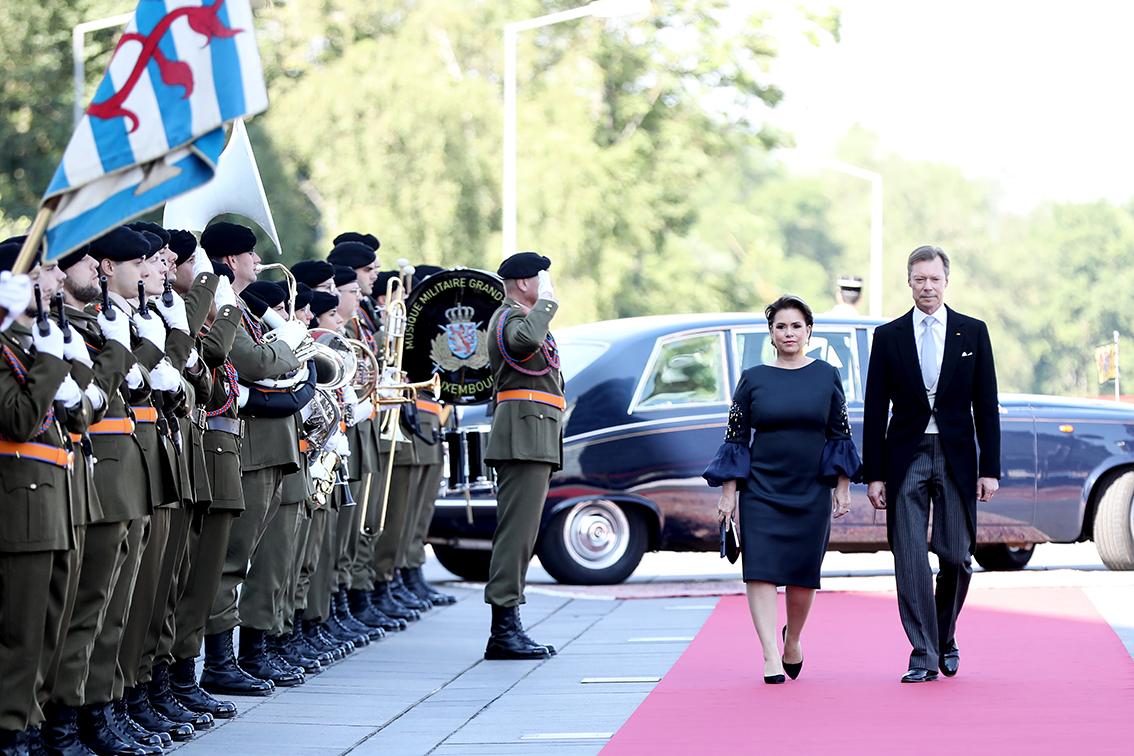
{"type": "Point", "coordinates": [447, 318]}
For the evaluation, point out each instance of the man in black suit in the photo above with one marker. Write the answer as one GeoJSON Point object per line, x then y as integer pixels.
{"type": "Point", "coordinates": [933, 366]}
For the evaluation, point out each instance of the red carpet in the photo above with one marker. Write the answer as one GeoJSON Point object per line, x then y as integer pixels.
{"type": "Point", "coordinates": [1041, 673]}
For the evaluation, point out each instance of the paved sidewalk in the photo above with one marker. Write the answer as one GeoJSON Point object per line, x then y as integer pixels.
{"type": "Point", "coordinates": [428, 689]}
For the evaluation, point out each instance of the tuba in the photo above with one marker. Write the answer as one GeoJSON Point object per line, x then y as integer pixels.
{"type": "Point", "coordinates": [335, 360]}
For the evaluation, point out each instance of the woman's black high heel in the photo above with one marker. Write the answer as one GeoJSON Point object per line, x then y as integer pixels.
{"type": "Point", "coordinates": [792, 669]}
{"type": "Point", "coordinates": [774, 680]}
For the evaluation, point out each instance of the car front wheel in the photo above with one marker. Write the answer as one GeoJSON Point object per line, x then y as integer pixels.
{"type": "Point", "coordinates": [469, 564]}
{"type": "Point", "coordinates": [594, 542]}
{"type": "Point", "coordinates": [1004, 557]}
{"type": "Point", "coordinates": [1114, 523]}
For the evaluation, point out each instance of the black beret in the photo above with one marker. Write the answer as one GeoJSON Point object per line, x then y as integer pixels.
{"type": "Point", "coordinates": [266, 291]}
{"type": "Point", "coordinates": [183, 244]}
{"type": "Point", "coordinates": [302, 294]}
{"type": "Point", "coordinates": [523, 265]}
{"type": "Point", "coordinates": [382, 280]}
{"type": "Point", "coordinates": [10, 250]}
{"type": "Point", "coordinates": [254, 303]}
{"type": "Point", "coordinates": [422, 272]}
{"type": "Point", "coordinates": [369, 240]}
{"type": "Point", "coordinates": [313, 272]}
{"type": "Point", "coordinates": [351, 254]}
{"type": "Point", "coordinates": [152, 239]}
{"type": "Point", "coordinates": [322, 302]}
{"type": "Point", "coordinates": [68, 261]}
{"type": "Point", "coordinates": [344, 275]}
{"type": "Point", "coordinates": [222, 239]}
{"type": "Point", "coordinates": [223, 270]}
{"type": "Point", "coordinates": [153, 228]}
{"type": "Point", "coordinates": [120, 244]}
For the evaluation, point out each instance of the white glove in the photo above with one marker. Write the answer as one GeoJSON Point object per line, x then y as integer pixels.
{"type": "Point", "coordinates": [75, 350]}
{"type": "Point", "coordinates": [350, 396]}
{"type": "Point", "coordinates": [546, 290]}
{"type": "Point", "coordinates": [389, 376]}
{"type": "Point", "coordinates": [362, 412]}
{"type": "Point", "coordinates": [201, 263]}
{"type": "Point", "coordinates": [98, 399]}
{"type": "Point", "coordinates": [175, 315]}
{"type": "Point", "coordinates": [69, 393]}
{"type": "Point", "coordinates": [224, 295]}
{"type": "Point", "coordinates": [51, 343]}
{"type": "Point", "coordinates": [291, 333]}
{"type": "Point", "coordinates": [306, 410]}
{"type": "Point", "coordinates": [194, 358]}
{"type": "Point", "coordinates": [316, 471]}
{"type": "Point", "coordinates": [134, 377]}
{"type": "Point", "coordinates": [165, 377]}
{"type": "Point", "coordinates": [152, 329]}
{"type": "Point", "coordinates": [241, 396]}
{"type": "Point", "coordinates": [340, 446]}
{"type": "Point", "coordinates": [15, 294]}
{"type": "Point", "coordinates": [115, 330]}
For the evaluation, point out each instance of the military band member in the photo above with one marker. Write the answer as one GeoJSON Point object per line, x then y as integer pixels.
{"type": "Point", "coordinates": [317, 274]}
{"type": "Point", "coordinates": [36, 533]}
{"type": "Point", "coordinates": [269, 450]}
{"type": "Point", "coordinates": [526, 442]}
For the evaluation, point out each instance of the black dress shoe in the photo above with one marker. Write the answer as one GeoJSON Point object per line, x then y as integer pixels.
{"type": "Point", "coordinates": [792, 668]}
{"type": "Point", "coordinates": [774, 679]}
{"type": "Point", "coordinates": [507, 640]}
{"type": "Point", "coordinates": [950, 662]}
{"type": "Point", "coordinates": [223, 675]}
{"type": "Point", "coordinates": [100, 737]}
{"type": "Point", "coordinates": [183, 685]}
{"type": "Point", "coordinates": [919, 675]}
{"type": "Point", "coordinates": [61, 731]}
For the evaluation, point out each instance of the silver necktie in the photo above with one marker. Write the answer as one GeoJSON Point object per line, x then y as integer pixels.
{"type": "Point", "coordinates": [929, 367]}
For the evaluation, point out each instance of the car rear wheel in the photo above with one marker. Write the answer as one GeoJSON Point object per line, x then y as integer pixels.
{"type": "Point", "coordinates": [595, 542]}
{"type": "Point", "coordinates": [1003, 556]}
{"type": "Point", "coordinates": [470, 564]}
{"type": "Point", "coordinates": [1114, 523]}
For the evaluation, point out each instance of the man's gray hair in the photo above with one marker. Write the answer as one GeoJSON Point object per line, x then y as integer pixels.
{"type": "Point", "coordinates": [926, 253]}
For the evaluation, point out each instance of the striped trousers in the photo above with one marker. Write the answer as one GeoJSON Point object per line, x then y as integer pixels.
{"type": "Point", "coordinates": [929, 618]}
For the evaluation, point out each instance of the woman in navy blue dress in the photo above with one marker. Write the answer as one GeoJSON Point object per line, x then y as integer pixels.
{"type": "Point", "coordinates": [787, 445]}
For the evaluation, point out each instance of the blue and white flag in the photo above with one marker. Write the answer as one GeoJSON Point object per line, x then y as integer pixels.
{"type": "Point", "coordinates": [154, 129]}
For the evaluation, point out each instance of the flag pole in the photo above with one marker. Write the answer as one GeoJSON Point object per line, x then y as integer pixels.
{"type": "Point", "coordinates": [1117, 371]}
{"type": "Point", "coordinates": [23, 262]}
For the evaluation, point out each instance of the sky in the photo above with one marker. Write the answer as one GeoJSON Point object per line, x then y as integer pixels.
{"type": "Point", "coordinates": [1033, 95]}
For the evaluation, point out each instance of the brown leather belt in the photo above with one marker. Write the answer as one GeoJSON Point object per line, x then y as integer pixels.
{"type": "Point", "coordinates": [433, 408]}
{"type": "Point", "coordinates": [529, 395]}
{"type": "Point", "coordinates": [52, 455]}
{"type": "Point", "coordinates": [119, 426]}
{"type": "Point", "coordinates": [145, 414]}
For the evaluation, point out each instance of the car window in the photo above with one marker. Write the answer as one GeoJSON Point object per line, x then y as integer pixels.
{"type": "Point", "coordinates": [576, 356]}
{"type": "Point", "coordinates": [686, 370]}
{"type": "Point", "coordinates": [835, 347]}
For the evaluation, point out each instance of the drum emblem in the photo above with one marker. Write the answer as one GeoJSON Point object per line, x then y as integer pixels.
{"type": "Point", "coordinates": [460, 344]}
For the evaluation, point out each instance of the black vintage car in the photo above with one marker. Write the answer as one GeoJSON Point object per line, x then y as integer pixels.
{"type": "Point", "coordinates": [647, 403]}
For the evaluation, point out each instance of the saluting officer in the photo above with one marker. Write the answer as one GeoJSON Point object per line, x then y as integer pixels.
{"type": "Point", "coordinates": [525, 444]}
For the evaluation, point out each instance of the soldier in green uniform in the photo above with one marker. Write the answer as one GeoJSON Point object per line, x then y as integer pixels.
{"type": "Point", "coordinates": [268, 451]}
{"type": "Point", "coordinates": [526, 442]}
{"type": "Point", "coordinates": [36, 532]}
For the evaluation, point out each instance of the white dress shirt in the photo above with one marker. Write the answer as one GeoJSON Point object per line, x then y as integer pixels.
{"type": "Point", "coordinates": [939, 331]}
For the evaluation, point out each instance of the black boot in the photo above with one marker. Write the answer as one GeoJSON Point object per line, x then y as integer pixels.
{"type": "Point", "coordinates": [61, 731]}
{"type": "Point", "coordinates": [183, 685]}
{"type": "Point", "coordinates": [131, 731]}
{"type": "Point", "coordinates": [223, 675]}
{"type": "Point", "coordinates": [254, 657]}
{"type": "Point", "coordinates": [280, 656]}
{"type": "Point", "coordinates": [416, 582]}
{"type": "Point", "coordinates": [13, 743]}
{"type": "Point", "coordinates": [287, 648]}
{"type": "Point", "coordinates": [311, 645]}
{"type": "Point", "coordinates": [96, 732]}
{"type": "Point", "coordinates": [365, 612]}
{"type": "Point", "coordinates": [384, 601]}
{"type": "Point", "coordinates": [321, 639]}
{"type": "Point", "coordinates": [403, 594]}
{"type": "Point", "coordinates": [507, 639]}
{"type": "Point", "coordinates": [162, 699]}
{"type": "Point", "coordinates": [140, 709]}
{"type": "Point", "coordinates": [338, 629]}
{"type": "Point", "coordinates": [348, 620]}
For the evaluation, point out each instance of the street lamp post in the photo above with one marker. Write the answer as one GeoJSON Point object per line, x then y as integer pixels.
{"type": "Point", "coordinates": [599, 8]}
{"type": "Point", "coordinates": [875, 180]}
{"type": "Point", "coordinates": [78, 52]}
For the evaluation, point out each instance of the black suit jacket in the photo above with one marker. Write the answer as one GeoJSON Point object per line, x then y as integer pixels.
{"type": "Point", "coordinates": [967, 409]}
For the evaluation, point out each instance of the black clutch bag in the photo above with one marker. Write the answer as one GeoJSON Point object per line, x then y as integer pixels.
{"type": "Point", "coordinates": [730, 541]}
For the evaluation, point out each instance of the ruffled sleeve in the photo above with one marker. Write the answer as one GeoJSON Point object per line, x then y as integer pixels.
{"type": "Point", "coordinates": [732, 460]}
{"type": "Point", "coordinates": [840, 457]}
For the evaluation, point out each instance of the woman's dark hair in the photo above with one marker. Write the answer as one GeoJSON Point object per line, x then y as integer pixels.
{"type": "Point", "coordinates": [789, 302]}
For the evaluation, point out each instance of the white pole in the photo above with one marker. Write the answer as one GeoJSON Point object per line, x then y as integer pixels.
{"type": "Point", "coordinates": [1117, 371]}
{"type": "Point", "coordinates": [508, 222]}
